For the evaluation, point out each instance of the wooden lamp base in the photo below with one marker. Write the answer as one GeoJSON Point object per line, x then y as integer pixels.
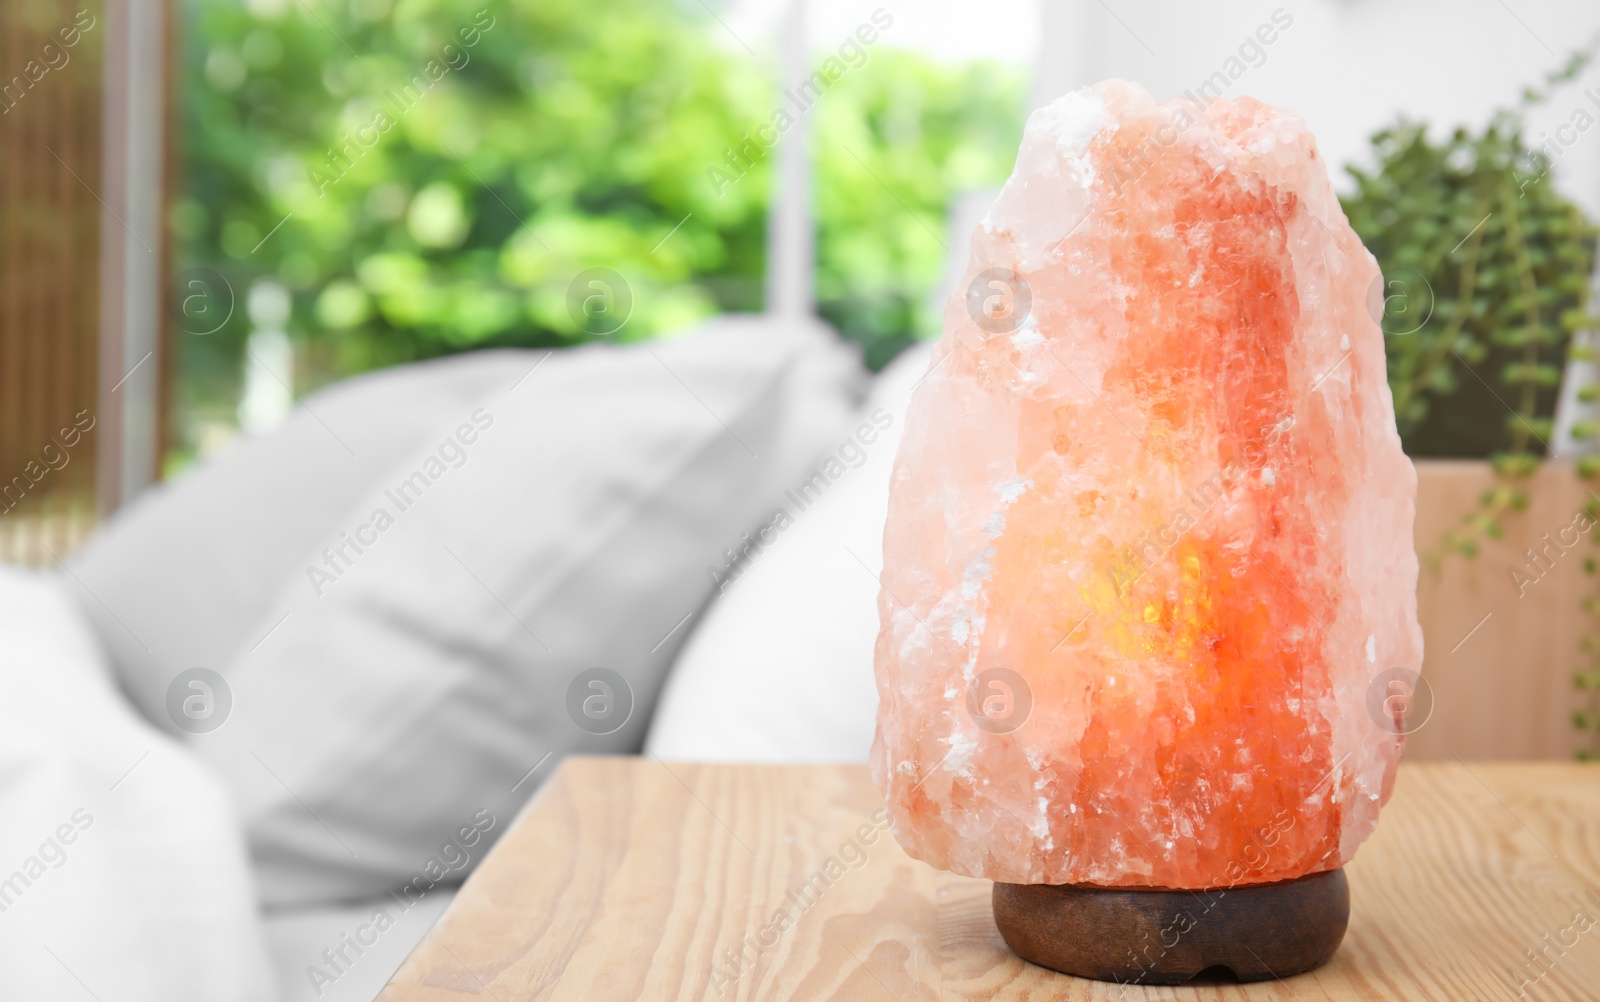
{"type": "Point", "coordinates": [1166, 937]}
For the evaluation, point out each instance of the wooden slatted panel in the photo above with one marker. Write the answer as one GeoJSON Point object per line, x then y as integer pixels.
{"type": "Point", "coordinates": [50, 128]}
{"type": "Point", "coordinates": [1501, 664]}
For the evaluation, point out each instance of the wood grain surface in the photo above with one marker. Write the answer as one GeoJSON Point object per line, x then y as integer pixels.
{"type": "Point", "coordinates": [632, 879]}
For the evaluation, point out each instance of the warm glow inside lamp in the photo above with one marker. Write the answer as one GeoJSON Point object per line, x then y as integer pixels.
{"type": "Point", "coordinates": [1149, 551]}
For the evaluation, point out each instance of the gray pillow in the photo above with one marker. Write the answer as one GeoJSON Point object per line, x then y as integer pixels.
{"type": "Point", "coordinates": [512, 586]}
{"type": "Point", "coordinates": [180, 577]}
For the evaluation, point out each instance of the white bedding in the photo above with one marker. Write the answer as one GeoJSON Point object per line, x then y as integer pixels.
{"type": "Point", "coordinates": [147, 891]}
{"type": "Point", "coordinates": [780, 667]}
{"type": "Point", "coordinates": [424, 656]}
{"type": "Point", "coordinates": [345, 953]}
{"type": "Point", "coordinates": [123, 870]}
{"type": "Point", "coordinates": [122, 862]}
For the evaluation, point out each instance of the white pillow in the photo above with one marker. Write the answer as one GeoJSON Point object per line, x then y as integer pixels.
{"type": "Point", "coordinates": [780, 668]}
{"type": "Point", "coordinates": [544, 533]}
{"type": "Point", "coordinates": [122, 865]}
{"type": "Point", "coordinates": [183, 575]}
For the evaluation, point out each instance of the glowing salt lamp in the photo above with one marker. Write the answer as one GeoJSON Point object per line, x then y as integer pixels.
{"type": "Point", "coordinates": [1150, 548]}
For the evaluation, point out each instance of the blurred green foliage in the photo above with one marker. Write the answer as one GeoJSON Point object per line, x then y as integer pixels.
{"type": "Point", "coordinates": [540, 138]}
{"type": "Point", "coordinates": [1486, 267]}
{"type": "Point", "coordinates": [896, 140]}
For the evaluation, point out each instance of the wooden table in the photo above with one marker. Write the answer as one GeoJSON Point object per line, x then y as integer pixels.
{"type": "Point", "coordinates": [633, 879]}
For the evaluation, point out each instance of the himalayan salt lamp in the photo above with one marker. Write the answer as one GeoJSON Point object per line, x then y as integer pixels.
{"type": "Point", "coordinates": [1149, 546]}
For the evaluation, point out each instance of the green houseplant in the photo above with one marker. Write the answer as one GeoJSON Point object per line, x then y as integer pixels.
{"type": "Point", "coordinates": [1487, 276]}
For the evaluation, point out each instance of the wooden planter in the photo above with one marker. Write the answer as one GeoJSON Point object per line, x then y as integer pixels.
{"type": "Point", "coordinates": [1502, 685]}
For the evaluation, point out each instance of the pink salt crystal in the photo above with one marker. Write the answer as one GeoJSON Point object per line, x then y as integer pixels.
{"type": "Point", "coordinates": [1149, 537]}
